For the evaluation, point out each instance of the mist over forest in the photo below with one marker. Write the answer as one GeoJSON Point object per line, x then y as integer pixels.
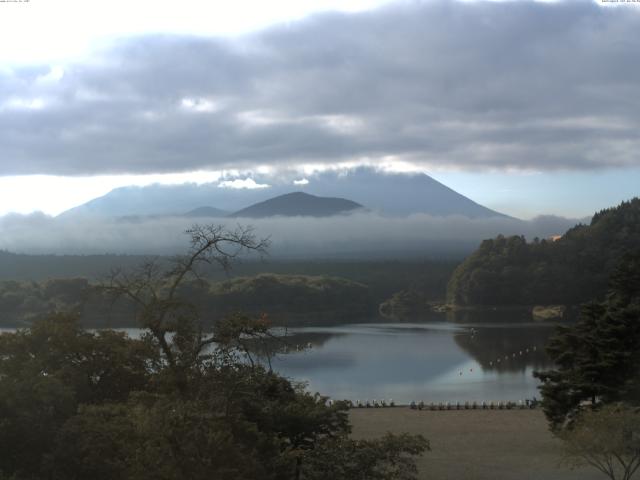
{"type": "Point", "coordinates": [356, 235]}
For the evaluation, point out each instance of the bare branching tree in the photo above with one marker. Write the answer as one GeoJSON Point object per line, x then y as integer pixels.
{"type": "Point", "coordinates": [154, 290]}
{"type": "Point", "coordinates": [608, 439]}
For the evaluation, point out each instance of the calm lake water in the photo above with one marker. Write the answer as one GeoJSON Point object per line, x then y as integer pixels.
{"type": "Point", "coordinates": [434, 361]}
{"type": "Point", "coordinates": [431, 361]}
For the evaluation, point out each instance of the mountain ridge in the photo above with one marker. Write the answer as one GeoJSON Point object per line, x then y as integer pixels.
{"type": "Point", "coordinates": [297, 204]}
{"type": "Point", "coordinates": [397, 194]}
{"type": "Point", "coordinates": [206, 211]}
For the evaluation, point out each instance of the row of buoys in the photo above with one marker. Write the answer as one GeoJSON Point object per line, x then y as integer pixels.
{"type": "Point", "coordinates": [374, 404]}
{"type": "Point", "coordinates": [513, 355]}
{"type": "Point", "coordinates": [519, 405]}
{"type": "Point", "coordinates": [506, 358]}
{"type": "Point", "coordinates": [501, 405]}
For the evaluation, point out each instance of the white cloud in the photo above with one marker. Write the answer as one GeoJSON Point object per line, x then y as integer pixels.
{"type": "Point", "coordinates": [302, 181]}
{"type": "Point", "coordinates": [55, 73]}
{"type": "Point", "coordinates": [17, 103]}
{"type": "Point", "coordinates": [42, 31]}
{"type": "Point", "coordinates": [248, 183]}
{"type": "Point", "coordinates": [344, 124]}
{"type": "Point", "coordinates": [331, 91]}
{"type": "Point", "coordinates": [199, 105]}
{"type": "Point", "coordinates": [260, 118]}
{"type": "Point", "coordinates": [55, 194]}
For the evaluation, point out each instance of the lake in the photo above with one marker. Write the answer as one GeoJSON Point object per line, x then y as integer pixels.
{"type": "Point", "coordinates": [432, 361]}
{"type": "Point", "coordinates": [428, 361]}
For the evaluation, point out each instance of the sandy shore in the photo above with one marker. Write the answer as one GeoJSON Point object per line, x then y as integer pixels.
{"type": "Point", "coordinates": [476, 444]}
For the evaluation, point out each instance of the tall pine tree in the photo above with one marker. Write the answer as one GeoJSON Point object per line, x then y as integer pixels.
{"type": "Point", "coordinates": [597, 359]}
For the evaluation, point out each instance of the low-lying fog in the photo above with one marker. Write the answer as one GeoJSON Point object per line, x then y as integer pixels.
{"type": "Point", "coordinates": [356, 235]}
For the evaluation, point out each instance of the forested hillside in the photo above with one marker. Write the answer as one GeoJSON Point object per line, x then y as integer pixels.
{"type": "Point", "coordinates": [14, 266]}
{"type": "Point", "coordinates": [285, 298]}
{"type": "Point", "coordinates": [299, 298]}
{"type": "Point", "coordinates": [570, 270]}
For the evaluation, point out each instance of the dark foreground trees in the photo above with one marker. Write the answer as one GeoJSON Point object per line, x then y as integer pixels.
{"type": "Point", "coordinates": [78, 405]}
{"type": "Point", "coordinates": [597, 359]}
{"type": "Point", "coordinates": [608, 439]}
{"type": "Point", "coordinates": [184, 401]}
{"type": "Point", "coordinates": [592, 397]}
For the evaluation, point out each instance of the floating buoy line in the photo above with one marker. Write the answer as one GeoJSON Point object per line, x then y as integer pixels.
{"type": "Point", "coordinates": [438, 406]}
{"type": "Point", "coordinates": [467, 405]}
{"type": "Point", "coordinates": [518, 354]}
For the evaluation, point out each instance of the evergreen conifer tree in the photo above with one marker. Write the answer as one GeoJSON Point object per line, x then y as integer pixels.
{"type": "Point", "coordinates": [598, 359]}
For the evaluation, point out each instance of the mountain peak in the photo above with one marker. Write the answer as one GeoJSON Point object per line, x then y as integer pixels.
{"type": "Point", "coordinates": [298, 204]}
{"type": "Point", "coordinates": [396, 194]}
{"type": "Point", "coordinates": [206, 212]}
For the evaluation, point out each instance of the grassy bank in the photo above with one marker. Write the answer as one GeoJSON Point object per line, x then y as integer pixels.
{"type": "Point", "coordinates": [476, 444]}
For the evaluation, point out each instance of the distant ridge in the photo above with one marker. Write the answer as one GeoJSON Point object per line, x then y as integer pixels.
{"type": "Point", "coordinates": [298, 204]}
{"type": "Point", "coordinates": [396, 194]}
{"type": "Point", "coordinates": [202, 212]}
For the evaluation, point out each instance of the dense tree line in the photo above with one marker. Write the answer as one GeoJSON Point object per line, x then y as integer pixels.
{"type": "Point", "coordinates": [570, 270]}
{"type": "Point", "coordinates": [184, 401]}
{"type": "Point", "coordinates": [597, 359]}
{"type": "Point", "coordinates": [383, 277]}
{"type": "Point", "coordinates": [39, 267]}
{"type": "Point", "coordinates": [78, 405]}
{"type": "Point", "coordinates": [591, 397]}
{"type": "Point", "coordinates": [328, 290]}
{"type": "Point", "coordinates": [288, 298]}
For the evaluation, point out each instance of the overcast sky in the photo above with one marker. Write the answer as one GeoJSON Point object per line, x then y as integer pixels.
{"type": "Point", "coordinates": [526, 107]}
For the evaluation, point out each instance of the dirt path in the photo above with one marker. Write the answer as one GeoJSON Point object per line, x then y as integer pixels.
{"type": "Point", "coordinates": [476, 444]}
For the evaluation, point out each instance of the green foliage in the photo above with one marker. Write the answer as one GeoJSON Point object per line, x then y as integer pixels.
{"type": "Point", "coordinates": [48, 371]}
{"type": "Point", "coordinates": [388, 457]}
{"type": "Point", "coordinates": [77, 405]}
{"type": "Point", "coordinates": [163, 437]}
{"type": "Point", "coordinates": [97, 442]}
{"type": "Point", "coordinates": [607, 439]}
{"type": "Point", "coordinates": [63, 290]}
{"type": "Point", "coordinates": [406, 304]}
{"type": "Point", "coordinates": [102, 366]}
{"type": "Point", "coordinates": [32, 410]}
{"type": "Point", "coordinates": [597, 359]}
{"type": "Point", "coordinates": [296, 298]}
{"type": "Point", "coordinates": [42, 267]}
{"type": "Point", "coordinates": [571, 270]}
{"type": "Point", "coordinates": [182, 402]}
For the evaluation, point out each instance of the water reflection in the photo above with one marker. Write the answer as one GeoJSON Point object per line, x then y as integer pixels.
{"type": "Point", "coordinates": [507, 349]}
{"type": "Point", "coordinates": [431, 361]}
{"type": "Point", "coordinates": [504, 340]}
{"type": "Point", "coordinates": [471, 357]}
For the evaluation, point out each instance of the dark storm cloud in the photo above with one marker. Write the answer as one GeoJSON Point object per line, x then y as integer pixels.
{"type": "Point", "coordinates": [475, 85]}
